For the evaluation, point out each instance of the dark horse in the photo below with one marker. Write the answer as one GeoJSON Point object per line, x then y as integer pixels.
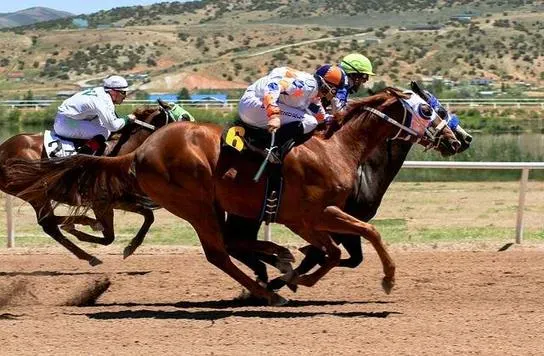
{"type": "Point", "coordinates": [183, 169]}
{"type": "Point", "coordinates": [30, 147]}
{"type": "Point", "coordinates": [374, 177]}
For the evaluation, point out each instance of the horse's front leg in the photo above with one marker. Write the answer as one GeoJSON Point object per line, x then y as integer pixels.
{"type": "Point", "coordinates": [137, 240]}
{"type": "Point", "coordinates": [333, 219]}
{"type": "Point", "coordinates": [68, 223]}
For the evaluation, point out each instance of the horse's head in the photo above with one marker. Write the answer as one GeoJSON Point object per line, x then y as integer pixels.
{"type": "Point", "coordinates": [451, 118]}
{"type": "Point", "coordinates": [414, 119]}
{"type": "Point", "coordinates": [156, 116]}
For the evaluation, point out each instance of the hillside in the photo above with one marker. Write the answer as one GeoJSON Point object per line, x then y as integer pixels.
{"type": "Point", "coordinates": [225, 44]}
{"type": "Point", "coordinates": [31, 16]}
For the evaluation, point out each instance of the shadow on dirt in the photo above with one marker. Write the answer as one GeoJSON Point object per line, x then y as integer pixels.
{"type": "Point", "coordinates": [241, 303]}
{"type": "Point", "coordinates": [59, 273]}
{"type": "Point", "coordinates": [221, 314]}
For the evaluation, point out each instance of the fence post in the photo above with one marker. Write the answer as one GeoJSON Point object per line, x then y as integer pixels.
{"type": "Point", "coordinates": [521, 204]}
{"type": "Point", "coordinates": [9, 227]}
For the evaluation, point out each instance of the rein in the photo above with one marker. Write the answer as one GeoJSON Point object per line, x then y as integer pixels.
{"type": "Point", "coordinates": [387, 118]}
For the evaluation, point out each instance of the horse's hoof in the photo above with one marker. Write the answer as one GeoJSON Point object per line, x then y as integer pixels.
{"type": "Point", "coordinates": [275, 284]}
{"type": "Point", "coordinates": [278, 301]}
{"type": "Point", "coordinates": [128, 251]}
{"type": "Point", "coordinates": [68, 227]}
{"type": "Point", "coordinates": [95, 261]}
{"type": "Point", "coordinates": [388, 284]}
{"type": "Point", "coordinates": [97, 226]}
{"type": "Point", "coordinates": [292, 287]}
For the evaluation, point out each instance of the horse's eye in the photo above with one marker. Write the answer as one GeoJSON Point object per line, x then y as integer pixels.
{"type": "Point", "coordinates": [425, 111]}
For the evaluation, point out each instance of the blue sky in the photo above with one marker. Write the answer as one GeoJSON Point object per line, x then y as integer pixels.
{"type": "Point", "coordinates": [76, 7]}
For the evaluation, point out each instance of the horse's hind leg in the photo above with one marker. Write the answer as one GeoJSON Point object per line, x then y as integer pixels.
{"type": "Point", "coordinates": [104, 216]}
{"type": "Point", "coordinates": [46, 219]}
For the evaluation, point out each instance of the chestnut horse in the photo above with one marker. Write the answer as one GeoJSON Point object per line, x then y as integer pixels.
{"type": "Point", "coordinates": [374, 177]}
{"type": "Point", "coordinates": [183, 169]}
{"type": "Point", "coordinates": [30, 147]}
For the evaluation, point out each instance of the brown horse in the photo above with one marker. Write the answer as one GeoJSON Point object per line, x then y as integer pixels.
{"type": "Point", "coordinates": [30, 147]}
{"type": "Point", "coordinates": [183, 169]}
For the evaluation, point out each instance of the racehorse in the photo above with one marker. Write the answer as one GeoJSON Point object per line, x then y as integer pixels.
{"type": "Point", "coordinates": [374, 177]}
{"type": "Point", "coordinates": [31, 147]}
{"type": "Point", "coordinates": [183, 169]}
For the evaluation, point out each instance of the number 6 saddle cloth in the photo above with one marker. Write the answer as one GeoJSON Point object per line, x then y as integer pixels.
{"type": "Point", "coordinates": [252, 144]}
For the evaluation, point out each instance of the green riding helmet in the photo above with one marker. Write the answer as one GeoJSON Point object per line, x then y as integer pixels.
{"type": "Point", "coordinates": [356, 63]}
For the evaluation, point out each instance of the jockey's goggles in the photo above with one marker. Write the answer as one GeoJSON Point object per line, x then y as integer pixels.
{"type": "Point", "coordinates": [328, 87]}
{"type": "Point", "coordinates": [359, 77]}
{"type": "Point", "coordinates": [122, 92]}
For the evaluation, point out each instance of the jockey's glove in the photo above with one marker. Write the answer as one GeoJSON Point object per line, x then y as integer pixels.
{"type": "Point", "coordinates": [274, 123]}
{"type": "Point", "coordinates": [130, 118]}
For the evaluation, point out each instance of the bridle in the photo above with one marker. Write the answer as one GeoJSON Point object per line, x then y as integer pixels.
{"type": "Point", "coordinates": [432, 135]}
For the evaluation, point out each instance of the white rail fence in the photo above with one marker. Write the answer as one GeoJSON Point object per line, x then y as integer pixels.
{"type": "Point", "coordinates": [230, 104]}
{"type": "Point", "coordinates": [524, 166]}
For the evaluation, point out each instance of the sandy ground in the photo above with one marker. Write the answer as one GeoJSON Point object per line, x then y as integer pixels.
{"type": "Point", "coordinates": [171, 301]}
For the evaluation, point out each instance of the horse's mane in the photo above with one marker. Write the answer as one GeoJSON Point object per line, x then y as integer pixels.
{"type": "Point", "coordinates": [143, 112]}
{"type": "Point", "coordinates": [357, 107]}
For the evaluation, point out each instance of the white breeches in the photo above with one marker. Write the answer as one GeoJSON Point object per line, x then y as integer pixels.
{"type": "Point", "coordinates": [82, 129]}
{"type": "Point", "coordinates": [252, 112]}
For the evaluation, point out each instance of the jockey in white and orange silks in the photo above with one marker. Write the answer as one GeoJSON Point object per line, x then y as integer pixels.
{"type": "Point", "coordinates": [287, 96]}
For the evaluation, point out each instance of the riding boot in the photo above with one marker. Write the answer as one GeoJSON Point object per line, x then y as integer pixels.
{"type": "Point", "coordinates": [95, 146]}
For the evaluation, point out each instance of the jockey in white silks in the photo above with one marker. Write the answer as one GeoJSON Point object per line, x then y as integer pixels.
{"type": "Point", "coordinates": [288, 96]}
{"type": "Point", "coordinates": [90, 114]}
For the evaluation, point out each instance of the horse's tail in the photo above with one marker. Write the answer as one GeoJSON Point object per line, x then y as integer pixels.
{"type": "Point", "coordinates": [78, 180]}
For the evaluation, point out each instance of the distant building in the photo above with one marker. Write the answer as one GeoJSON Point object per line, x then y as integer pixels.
{"type": "Point", "coordinates": [423, 27]}
{"type": "Point", "coordinates": [486, 93]}
{"type": "Point", "coordinates": [219, 98]}
{"type": "Point", "coordinates": [481, 81]}
{"type": "Point", "coordinates": [461, 18]}
{"type": "Point", "coordinates": [370, 40]}
{"type": "Point", "coordinates": [80, 23]}
{"type": "Point", "coordinates": [168, 97]}
{"type": "Point", "coordinates": [16, 76]}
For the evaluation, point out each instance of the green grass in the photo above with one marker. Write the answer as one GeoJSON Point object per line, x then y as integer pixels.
{"type": "Point", "coordinates": [393, 231]}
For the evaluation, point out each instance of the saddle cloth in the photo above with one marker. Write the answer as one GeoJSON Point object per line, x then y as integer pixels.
{"type": "Point", "coordinates": [56, 146]}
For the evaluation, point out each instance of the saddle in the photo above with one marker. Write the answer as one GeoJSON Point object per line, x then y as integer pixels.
{"type": "Point", "coordinates": [56, 146]}
{"type": "Point", "coordinates": [253, 143]}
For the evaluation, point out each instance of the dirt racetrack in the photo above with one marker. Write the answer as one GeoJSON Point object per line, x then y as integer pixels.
{"type": "Point", "coordinates": [171, 301]}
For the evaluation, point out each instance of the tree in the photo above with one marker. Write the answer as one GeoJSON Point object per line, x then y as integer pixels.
{"type": "Point", "coordinates": [28, 95]}
{"type": "Point", "coordinates": [184, 94]}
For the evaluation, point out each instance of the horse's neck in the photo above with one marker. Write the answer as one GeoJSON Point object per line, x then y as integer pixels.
{"type": "Point", "coordinates": [379, 170]}
{"type": "Point", "coordinates": [128, 142]}
{"type": "Point", "coordinates": [359, 137]}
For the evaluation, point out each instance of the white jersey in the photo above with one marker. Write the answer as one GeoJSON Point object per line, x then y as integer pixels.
{"type": "Point", "coordinates": [291, 87]}
{"type": "Point", "coordinates": [92, 104]}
